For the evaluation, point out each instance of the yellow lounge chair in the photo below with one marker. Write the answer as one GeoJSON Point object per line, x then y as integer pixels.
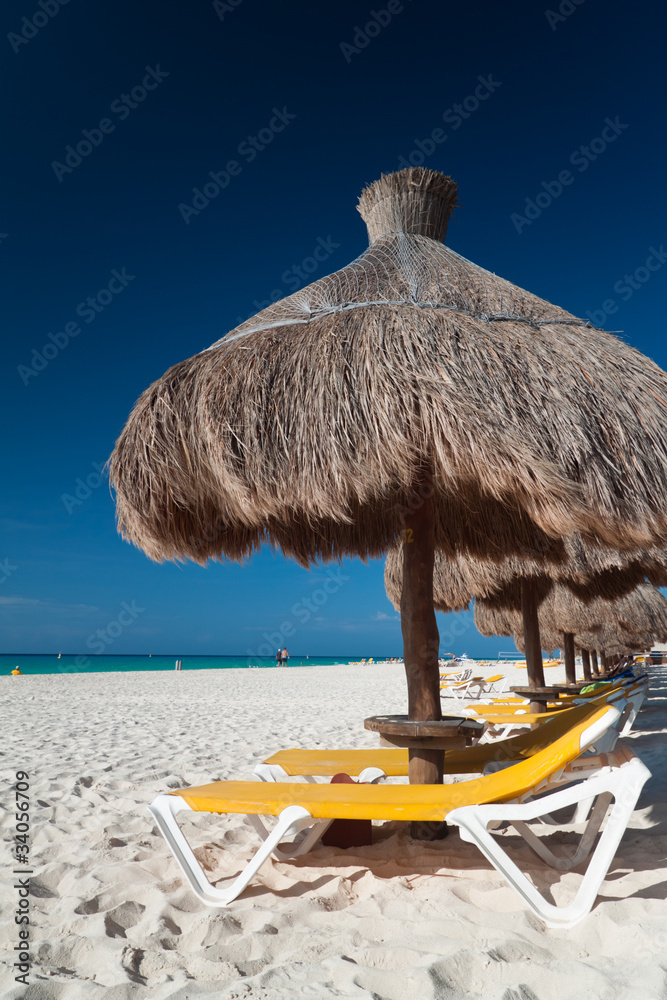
{"type": "Point", "coordinates": [505, 720]}
{"type": "Point", "coordinates": [382, 762]}
{"type": "Point", "coordinates": [470, 805]}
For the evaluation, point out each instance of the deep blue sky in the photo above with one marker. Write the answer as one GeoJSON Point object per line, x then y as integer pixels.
{"type": "Point", "coordinates": [65, 572]}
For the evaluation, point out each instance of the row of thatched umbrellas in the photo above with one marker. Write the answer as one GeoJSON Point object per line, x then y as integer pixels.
{"type": "Point", "coordinates": [607, 628]}
{"type": "Point", "coordinates": [411, 394]}
{"type": "Point", "coordinates": [553, 605]}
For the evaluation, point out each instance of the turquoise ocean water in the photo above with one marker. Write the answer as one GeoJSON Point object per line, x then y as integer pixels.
{"type": "Point", "coordinates": [80, 663]}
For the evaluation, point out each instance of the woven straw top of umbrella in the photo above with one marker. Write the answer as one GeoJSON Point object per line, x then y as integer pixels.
{"type": "Point", "coordinates": [642, 611]}
{"type": "Point", "coordinates": [311, 424]}
{"type": "Point", "coordinates": [492, 620]}
{"type": "Point", "coordinates": [612, 640]}
{"type": "Point", "coordinates": [551, 641]}
{"type": "Point", "coordinates": [589, 571]}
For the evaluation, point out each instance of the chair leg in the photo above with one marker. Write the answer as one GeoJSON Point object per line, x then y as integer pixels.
{"type": "Point", "coordinates": [164, 810]}
{"type": "Point", "coordinates": [307, 842]}
{"type": "Point", "coordinates": [635, 703]}
{"type": "Point", "coordinates": [539, 847]}
{"type": "Point", "coordinates": [269, 772]}
{"type": "Point", "coordinates": [624, 783]}
{"type": "Point", "coordinates": [580, 815]}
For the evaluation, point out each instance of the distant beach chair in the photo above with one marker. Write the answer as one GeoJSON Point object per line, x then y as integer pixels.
{"type": "Point", "coordinates": [472, 687]}
{"type": "Point", "coordinates": [460, 674]}
{"type": "Point", "coordinates": [504, 721]}
{"type": "Point", "coordinates": [553, 773]}
{"type": "Point", "coordinates": [458, 687]}
{"type": "Point", "coordinates": [480, 687]}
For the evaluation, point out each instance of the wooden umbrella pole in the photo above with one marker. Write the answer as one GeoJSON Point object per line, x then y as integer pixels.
{"type": "Point", "coordinates": [531, 633]}
{"type": "Point", "coordinates": [594, 662]}
{"type": "Point", "coordinates": [586, 664]}
{"type": "Point", "coordinates": [421, 640]}
{"type": "Point", "coordinates": [568, 650]}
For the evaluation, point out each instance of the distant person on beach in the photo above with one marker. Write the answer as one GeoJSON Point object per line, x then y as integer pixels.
{"type": "Point", "coordinates": [17, 672]}
{"type": "Point", "coordinates": [279, 655]}
{"type": "Point", "coordinates": [284, 657]}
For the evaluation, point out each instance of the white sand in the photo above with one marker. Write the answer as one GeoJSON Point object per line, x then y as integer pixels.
{"type": "Point", "coordinates": [395, 921]}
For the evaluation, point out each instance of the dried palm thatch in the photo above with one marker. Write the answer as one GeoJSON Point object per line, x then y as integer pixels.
{"type": "Point", "coordinates": [522, 584]}
{"type": "Point", "coordinates": [643, 611]}
{"type": "Point", "coordinates": [614, 641]}
{"type": "Point", "coordinates": [410, 390]}
{"type": "Point", "coordinates": [551, 641]}
{"type": "Point", "coordinates": [610, 641]}
{"type": "Point", "coordinates": [589, 572]}
{"type": "Point", "coordinates": [492, 620]}
{"type": "Point", "coordinates": [305, 425]}
{"type": "Point", "coordinates": [635, 621]}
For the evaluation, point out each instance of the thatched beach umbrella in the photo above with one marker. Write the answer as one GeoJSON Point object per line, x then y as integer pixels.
{"type": "Point", "coordinates": [607, 627]}
{"type": "Point", "coordinates": [410, 391]}
{"type": "Point", "coordinates": [615, 641]}
{"type": "Point", "coordinates": [577, 569]}
{"type": "Point", "coordinates": [598, 626]}
{"type": "Point", "coordinates": [642, 611]}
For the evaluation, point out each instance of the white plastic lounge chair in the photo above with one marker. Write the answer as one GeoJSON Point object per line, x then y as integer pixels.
{"type": "Point", "coordinates": [460, 689]}
{"type": "Point", "coordinates": [481, 687]}
{"type": "Point", "coordinates": [506, 721]}
{"type": "Point", "coordinates": [462, 674]}
{"type": "Point", "coordinates": [471, 805]}
{"type": "Point", "coordinates": [455, 679]}
{"type": "Point", "coordinates": [376, 763]}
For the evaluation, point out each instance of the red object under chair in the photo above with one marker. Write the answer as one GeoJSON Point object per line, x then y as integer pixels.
{"type": "Point", "coordinates": [348, 832]}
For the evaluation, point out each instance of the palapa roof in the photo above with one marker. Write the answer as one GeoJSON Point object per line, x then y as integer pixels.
{"type": "Point", "coordinates": [613, 640]}
{"type": "Point", "coordinates": [643, 611]}
{"type": "Point", "coordinates": [640, 615]}
{"type": "Point", "coordinates": [492, 620]}
{"type": "Point", "coordinates": [589, 571]}
{"type": "Point", "coordinates": [307, 426]}
{"type": "Point", "coordinates": [458, 580]}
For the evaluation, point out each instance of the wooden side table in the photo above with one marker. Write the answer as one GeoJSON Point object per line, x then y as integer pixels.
{"type": "Point", "coordinates": [427, 744]}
